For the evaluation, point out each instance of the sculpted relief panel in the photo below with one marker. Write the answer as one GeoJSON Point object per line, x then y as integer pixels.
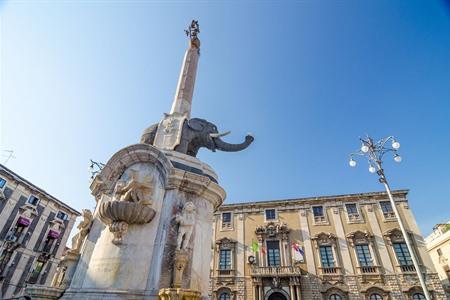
{"type": "Point", "coordinates": [131, 200]}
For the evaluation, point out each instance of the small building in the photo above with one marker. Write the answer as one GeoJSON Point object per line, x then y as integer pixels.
{"type": "Point", "coordinates": [346, 247]}
{"type": "Point", "coordinates": [34, 228]}
{"type": "Point", "coordinates": [438, 245]}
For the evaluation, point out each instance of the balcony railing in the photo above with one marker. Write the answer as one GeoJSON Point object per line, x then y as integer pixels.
{"type": "Point", "coordinates": [389, 215]}
{"type": "Point", "coordinates": [275, 271]}
{"type": "Point", "coordinates": [225, 272]}
{"type": "Point", "coordinates": [407, 268]}
{"type": "Point", "coordinates": [330, 270]}
{"type": "Point", "coordinates": [369, 269]}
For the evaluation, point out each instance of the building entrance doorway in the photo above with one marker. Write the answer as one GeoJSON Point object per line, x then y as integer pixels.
{"type": "Point", "coordinates": [277, 296]}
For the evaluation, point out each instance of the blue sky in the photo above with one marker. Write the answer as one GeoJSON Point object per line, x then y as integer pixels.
{"type": "Point", "coordinates": [81, 80]}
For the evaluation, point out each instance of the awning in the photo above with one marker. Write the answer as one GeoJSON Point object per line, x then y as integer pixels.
{"type": "Point", "coordinates": [53, 234]}
{"type": "Point", "coordinates": [23, 221]}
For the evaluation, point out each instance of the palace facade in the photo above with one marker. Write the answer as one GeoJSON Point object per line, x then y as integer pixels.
{"type": "Point", "coordinates": [438, 244]}
{"type": "Point", "coordinates": [333, 248]}
{"type": "Point", "coordinates": [34, 228]}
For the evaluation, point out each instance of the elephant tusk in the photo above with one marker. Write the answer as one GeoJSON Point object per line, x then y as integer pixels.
{"type": "Point", "coordinates": [218, 135]}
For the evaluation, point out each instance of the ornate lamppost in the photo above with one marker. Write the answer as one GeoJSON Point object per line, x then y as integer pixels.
{"type": "Point", "coordinates": [374, 152]}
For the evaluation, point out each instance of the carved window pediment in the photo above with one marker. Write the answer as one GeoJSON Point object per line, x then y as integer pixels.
{"type": "Point", "coordinates": [225, 243]}
{"type": "Point", "coordinates": [28, 211]}
{"type": "Point", "coordinates": [359, 237]}
{"type": "Point", "coordinates": [324, 238]}
{"type": "Point", "coordinates": [273, 229]}
{"type": "Point", "coordinates": [56, 225]}
{"type": "Point", "coordinates": [394, 236]}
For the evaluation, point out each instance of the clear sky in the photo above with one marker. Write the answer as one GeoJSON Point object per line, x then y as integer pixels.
{"type": "Point", "coordinates": [82, 79]}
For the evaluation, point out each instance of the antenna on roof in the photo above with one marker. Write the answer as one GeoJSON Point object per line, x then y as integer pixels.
{"type": "Point", "coordinates": [8, 156]}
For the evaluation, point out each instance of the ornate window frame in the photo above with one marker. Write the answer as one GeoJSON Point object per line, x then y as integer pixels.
{"type": "Point", "coordinates": [225, 290]}
{"type": "Point", "coordinates": [327, 239]}
{"type": "Point", "coordinates": [334, 291]}
{"type": "Point", "coordinates": [56, 225]}
{"type": "Point", "coordinates": [416, 290]}
{"type": "Point", "coordinates": [272, 231]}
{"type": "Point", "coordinates": [27, 212]}
{"type": "Point", "coordinates": [359, 237]}
{"type": "Point", "coordinates": [376, 290]}
{"type": "Point", "coordinates": [394, 235]}
{"type": "Point", "coordinates": [226, 244]}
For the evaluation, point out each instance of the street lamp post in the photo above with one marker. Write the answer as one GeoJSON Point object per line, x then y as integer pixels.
{"type": "Point", "coordinates": [374, 152]}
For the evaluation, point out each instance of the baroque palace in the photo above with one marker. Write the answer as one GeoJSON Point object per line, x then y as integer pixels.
{"type": "Point", "coordinates": [34, 228]}
{"type": "Point", "coordinates": [331, 248]}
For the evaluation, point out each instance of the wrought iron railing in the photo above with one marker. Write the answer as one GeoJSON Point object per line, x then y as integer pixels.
{"type": "Point", "coordinates": [277, 271]}
{"type": "Point", "coordinates": [407, 268]}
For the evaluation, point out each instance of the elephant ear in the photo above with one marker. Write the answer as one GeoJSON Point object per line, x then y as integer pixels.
{"type": "Point", "coordinates": [196, 124]}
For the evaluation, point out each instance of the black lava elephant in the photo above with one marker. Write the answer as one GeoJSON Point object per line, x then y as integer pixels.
{"type": "Point", "coordinates": [197, 133]}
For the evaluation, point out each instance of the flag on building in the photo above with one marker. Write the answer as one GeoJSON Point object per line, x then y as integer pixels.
{"type": "Point", "coordinates": [255, 247]}
{"type": "Point", "coordinates": [298, 254]}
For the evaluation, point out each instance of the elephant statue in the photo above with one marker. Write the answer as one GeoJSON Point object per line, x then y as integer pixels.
{"type": "Point", "coordinates": [197, 133]}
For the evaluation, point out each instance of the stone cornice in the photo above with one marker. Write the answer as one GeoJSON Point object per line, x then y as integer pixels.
{"type": "Point", "coordinates": [306, 203]}
{"type": "Point", "coordinates": [196, 184]}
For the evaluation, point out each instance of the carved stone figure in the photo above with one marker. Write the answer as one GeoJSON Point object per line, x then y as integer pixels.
{"type": "Point", "coordinates": [58, 278]}
{"type": "Point", "coordinates": [83, 230]}
{"type": "Point", "coordinates": [131, 203]}
{"type": "Point", "coordinates": [133, 190]}
{"type": "Point", "coordinates": [198, 133]}
{"type": "Point", "coordinates": [186, 221]}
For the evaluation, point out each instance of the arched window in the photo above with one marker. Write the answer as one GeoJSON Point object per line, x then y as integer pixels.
{"type": "Point", "coordinates": [335, 297]}
{"type": "Point", "coordinates": [418, 296]}
{"type": "Point", "coordinates": [224, 296]}
{"type": "Point", "coordinates": [375, 297]}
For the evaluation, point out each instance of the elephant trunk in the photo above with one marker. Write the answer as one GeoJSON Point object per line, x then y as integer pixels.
{"type": "Point", "coordinates": [224, 146]}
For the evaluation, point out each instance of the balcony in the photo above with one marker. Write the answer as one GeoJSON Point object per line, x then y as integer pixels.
{"type": "Point", "coordinates": [225, 273]}
{"type": "Point", "coordinates": [369, 270]}
{"type": "Point", "coordinates": [331, 273]}
{"type": "Point", "coordinates": [408, 269]}
{"type": "Point", "coordinates": [389, 215]}
{"type": "Point", "coordinates": [275, 271]}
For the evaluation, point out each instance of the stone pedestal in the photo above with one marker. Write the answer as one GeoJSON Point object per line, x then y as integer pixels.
{"type": "Point", "coordinates": [141, 258]}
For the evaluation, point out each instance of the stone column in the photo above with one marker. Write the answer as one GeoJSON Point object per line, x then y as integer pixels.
{"type": "Point", "coordinates": [304, 229]}
{"type": "Point", "coordinates": [342, 240]}
{"type": "Point", "coordinates": [240, 246]}
{"type": "Point", "coordinates": [292, 290]}
{"type": "Point", "coordinates": [379, 240]}
{"type": "Point", "coordinates": [299, 293]}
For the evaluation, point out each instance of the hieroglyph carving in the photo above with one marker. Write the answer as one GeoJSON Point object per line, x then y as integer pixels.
{"type": "Point", "coordinates": [186, 221]}
{"type": "Point", "coordinates": [83, 230]}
